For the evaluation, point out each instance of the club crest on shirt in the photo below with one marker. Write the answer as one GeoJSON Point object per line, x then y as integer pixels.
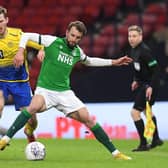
{"type": "Point", "coordinates": [137, 66]}
{"type": "Point", "coordinates": [61, 47]}
{"type": "Point", "coordinates": [10, 44]}
{"type": "Point", "coordinates": [74, 53]}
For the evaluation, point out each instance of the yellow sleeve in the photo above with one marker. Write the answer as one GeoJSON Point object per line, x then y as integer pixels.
{"type": "Point", "coordinates": [34, 45]}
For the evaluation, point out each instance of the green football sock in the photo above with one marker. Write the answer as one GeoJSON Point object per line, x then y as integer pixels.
{"type": "Point", "coordinates": [20, 121]}
{"type": "Point", "coordinates": [102, 137]}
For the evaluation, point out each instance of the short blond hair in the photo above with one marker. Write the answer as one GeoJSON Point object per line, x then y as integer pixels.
{"type": "Point", "coordinates": [135, 28]}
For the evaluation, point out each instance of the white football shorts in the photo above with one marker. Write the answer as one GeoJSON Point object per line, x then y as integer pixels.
{"type": "Point", "coordinates": [64, 101]}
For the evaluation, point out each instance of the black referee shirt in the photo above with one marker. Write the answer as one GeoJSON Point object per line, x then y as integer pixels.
{"type": "Point", "coordinates": [146, 69]}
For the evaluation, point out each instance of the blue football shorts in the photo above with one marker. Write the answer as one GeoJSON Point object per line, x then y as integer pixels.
{"type": "Point", "coordinates": [20, 91]}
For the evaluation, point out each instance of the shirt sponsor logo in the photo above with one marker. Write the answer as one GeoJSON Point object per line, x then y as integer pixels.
{"type": "Point", "coordinates": [65, 58]}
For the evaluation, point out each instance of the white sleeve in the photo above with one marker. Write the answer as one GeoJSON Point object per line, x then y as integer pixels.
{"type": "Point", "coordinates": [82, 55]}
{"type": "Point", "coordinates": [45, 40]}
{"type": "Point", "coordinates": [99, 62]}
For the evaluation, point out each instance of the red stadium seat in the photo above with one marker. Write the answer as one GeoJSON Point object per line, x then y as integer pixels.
{"type": "Point", "coordinates": [122, 30]}
{"type": "Point", "coordinates": [100, 44]}
{"type": "Point", "coordinates": [90, 14]}
{"type": "Point", "coordinates": [149, 19]}
{"type": "Point", "coordinates": [97, 3]}
{"type": "Point", "coordinates": [162, 19]}
{"type": "Point", "coordinates": [86, 44]}
{"type": "Point", "coordinates": [18, 4]}
{"type": "Point", "coordinates": [111, 49]}
{"type": "Point", "coordinates": [81, 3]}
{"type": "Point", "coordinates": [107, 30]}
{"type": "Point", "coordinates": [66, 3]}
{"type": "Point", "coordinates": [146, 30]}
{"type": "Point", "coordinates": [4, 3]}
{"type": "Point", "coordinates": [86, 41]}
{"type": "Point", "coordinates": [35, 3]}
{"type": "Point", "coordinates": [30, 13]}
{"type": "Point", "coordinates": [156, 8]}
{"type": "Point", "coordinates": [110, 11]}
{"type": "Point", "coordinates": [131, 3]}
{"type": "Point", "coordinates": [111, 3]}
{"type": "Point", "coordinates": [98, 51]}
{"type": "Point", "coordinates": [122, 41]}
{"type": "Point", "coordinates": [13, 14]}
{"type": "Point", "coordinates": [76, 11]}
{"type": "Point", "coordinates": [132, 18]}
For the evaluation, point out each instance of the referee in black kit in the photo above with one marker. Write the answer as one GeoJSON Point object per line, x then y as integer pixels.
{"type": "Point", "coordinates": [145, 85]}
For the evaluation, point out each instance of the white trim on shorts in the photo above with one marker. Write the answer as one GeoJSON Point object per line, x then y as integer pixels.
{"type": "Point", "coordinates": [64, 101]}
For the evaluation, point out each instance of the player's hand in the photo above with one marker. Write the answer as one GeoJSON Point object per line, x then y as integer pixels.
{"type": "Point", "coordinates": [149, 93]}
{"type": "Point", "coordinates": [19, 58]}
{"type": "Point", "coordinates": [134, 85]}
{"type": "Point", "coordinates": [41, 55]}
{"type": "Point", "coordinates": [125, 60]}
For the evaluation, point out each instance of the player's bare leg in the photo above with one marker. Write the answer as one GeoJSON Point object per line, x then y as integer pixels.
{"type": "Point", "coordinates": [2, 130]}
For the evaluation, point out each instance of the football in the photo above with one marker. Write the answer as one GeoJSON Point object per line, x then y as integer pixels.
{"type": "Point", "coordinates": [35, 151]}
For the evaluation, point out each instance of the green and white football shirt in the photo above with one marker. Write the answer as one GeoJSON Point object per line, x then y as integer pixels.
{"type": "Point", "coordinates": [58, 63]}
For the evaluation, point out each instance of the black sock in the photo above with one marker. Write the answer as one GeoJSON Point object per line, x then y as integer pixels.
{"type": "Point", "coordinates": [140, 128]}
{"type": "Point", "coordinates": [156, 134]}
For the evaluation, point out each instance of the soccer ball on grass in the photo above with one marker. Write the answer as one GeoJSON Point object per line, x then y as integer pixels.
{"type": "Point", "coordinates": [35, 151]}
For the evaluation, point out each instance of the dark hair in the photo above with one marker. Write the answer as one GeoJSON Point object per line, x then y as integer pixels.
{"type": "Point", "coordinates": [3, 11]}
{"type": "Point", "coordinates": [80, 26]}
{"type": "Point", "coordinates": [135, 28]}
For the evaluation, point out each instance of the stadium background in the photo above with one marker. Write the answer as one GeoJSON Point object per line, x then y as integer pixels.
{"type": "Point", "coordinates": [107, 22]}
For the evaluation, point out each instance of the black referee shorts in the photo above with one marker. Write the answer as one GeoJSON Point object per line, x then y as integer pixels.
{"type": "Point", "coordinates": [140, 98]}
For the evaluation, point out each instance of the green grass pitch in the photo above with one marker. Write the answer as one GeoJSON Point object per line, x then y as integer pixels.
{"type": "Point", "coordinates": [68, 153]}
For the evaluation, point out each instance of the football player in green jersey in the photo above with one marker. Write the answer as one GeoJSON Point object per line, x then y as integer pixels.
{"type": "Point", "coordinates": [53, 86]}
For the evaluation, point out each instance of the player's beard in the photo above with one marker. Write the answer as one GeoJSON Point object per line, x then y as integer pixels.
{"type": "Point", "coordinates": [70, 44]}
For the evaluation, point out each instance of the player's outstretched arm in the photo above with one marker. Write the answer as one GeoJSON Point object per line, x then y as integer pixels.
{"type": "Point", "coordinates": [125, 60]}
{"type": "Point", "coordinates": [93, 61]}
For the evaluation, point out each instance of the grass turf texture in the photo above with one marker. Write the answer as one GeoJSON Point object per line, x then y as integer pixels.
{"type": "Point", "coordinates": [66, 153]}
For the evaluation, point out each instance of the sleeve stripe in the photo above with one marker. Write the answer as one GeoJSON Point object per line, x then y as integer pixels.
{"type": "Point", "coordinates": [84, 59]}
{"type": "Point", "coordinates": [152, 63]}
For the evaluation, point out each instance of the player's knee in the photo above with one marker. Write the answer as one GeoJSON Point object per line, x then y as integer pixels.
{"type": "Point", "coordinates": [32, 109]}
{"type": "Point", "coordinates": [135, 114]}
{"type": "Point", "coordinates": [90, 123]}
{"type": "Point", "coordinates": [1, 93]}
{"type": "Point", "coordinates": [1, 101]}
